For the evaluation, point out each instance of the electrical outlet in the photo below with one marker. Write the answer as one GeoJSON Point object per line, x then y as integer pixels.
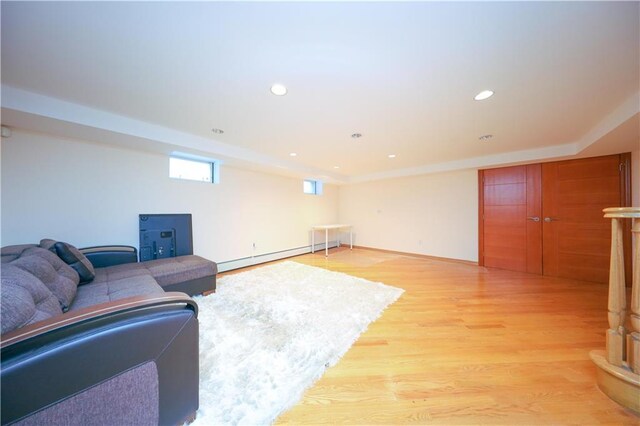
{"type": "Point", "coordinates": [254, 246]}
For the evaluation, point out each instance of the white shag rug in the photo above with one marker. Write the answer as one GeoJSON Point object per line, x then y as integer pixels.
{"type": "Point", "coordinates": [268, 334]}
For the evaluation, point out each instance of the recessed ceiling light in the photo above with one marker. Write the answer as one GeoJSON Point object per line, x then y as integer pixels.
{"type": "Point", "coordinates": [336, 167]}
{"type": "Point", "coordinates": [217, 131]}
{"type": "Point", "coordinates": [356, 135]}
{"type": "Point", "coordinates": [278, 89]}
{"type": "Point", "coordinates": [292, 154]}
{"type": "Point", "coordinates": [485, 94]}
{"type": "Point", "coordinates": [485, 137]}
{"type": "Point", "coordinates": [391, 156]}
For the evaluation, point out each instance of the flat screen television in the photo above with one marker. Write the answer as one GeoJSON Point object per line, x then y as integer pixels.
{"type": "Point", "coordinates": [165, 235]}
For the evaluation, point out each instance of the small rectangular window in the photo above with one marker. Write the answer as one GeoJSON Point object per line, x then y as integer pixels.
{"type": "Point", "coordinates": [313, 187]}
{"type": "Point", "coordinates": [309, 187]}
{"type": "Point", "coordinates": [198, 170]}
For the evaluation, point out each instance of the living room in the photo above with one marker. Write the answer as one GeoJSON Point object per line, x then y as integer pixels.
{"type": "Point", "coordinates": [379, 113]}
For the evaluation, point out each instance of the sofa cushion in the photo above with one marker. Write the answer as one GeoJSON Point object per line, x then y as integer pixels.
{"type": "Point", "coordinates": [180, 269]}
{"type": "Point", "coordinates": [25, 299]}
{"type": "Point", "coordinates": [11, 253]}
{"type": "Point", "coordinates": [58, 264]}
{"type": "Point", "coordinates": [76, 260]}
{"type": "Point", "coordinates": [62, 285]}
{"type": "Point", "coordinates": [107, 291]}
{"type": "Point", "coordinates": [116, 272]}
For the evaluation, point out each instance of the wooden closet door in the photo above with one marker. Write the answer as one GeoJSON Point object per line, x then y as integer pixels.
{"type": "Point", "coordinates": [576, 236]}
{"type": "Point", "coordinates": [511, 235]}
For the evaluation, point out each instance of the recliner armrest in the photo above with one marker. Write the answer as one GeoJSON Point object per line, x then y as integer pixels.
{"type": "Point", "coordinates": [92, 313]}
{"type": "Point", "coordinates": [102, 256]}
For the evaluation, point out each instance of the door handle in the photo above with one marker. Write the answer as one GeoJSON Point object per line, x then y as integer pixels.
{"type": "Point", "coordinates": [534, 218]}
{"type": "Point", "coordinates": [550, 219]}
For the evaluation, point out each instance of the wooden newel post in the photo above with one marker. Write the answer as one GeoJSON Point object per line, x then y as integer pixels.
{"type": "Point", "coordinates": [618, 367]}
{"type": "Point", "coordinates": [616, 334]}
{"type": "Point", "coordinates": [633, 342]}
{"type": "Point", "coordinates": [623, 347]}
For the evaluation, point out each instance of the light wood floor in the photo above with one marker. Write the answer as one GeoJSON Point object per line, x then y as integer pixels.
{"type": "Point", "coordinates": [465, 345]}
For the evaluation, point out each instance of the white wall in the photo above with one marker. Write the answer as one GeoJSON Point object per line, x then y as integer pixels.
{"type": "Point", "coordinates": [91, 194]}
{"type": "Point", "coordinates": [434, 214]}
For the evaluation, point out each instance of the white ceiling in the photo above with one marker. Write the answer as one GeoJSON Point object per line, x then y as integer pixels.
{"type": "Point", "coordinates": [163, 74]}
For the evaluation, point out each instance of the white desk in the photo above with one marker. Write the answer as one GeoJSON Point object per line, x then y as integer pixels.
{"type": "Point", "coordinates": [326, 228]}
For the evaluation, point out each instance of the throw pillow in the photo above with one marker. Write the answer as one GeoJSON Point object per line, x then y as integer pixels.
{"type": "Point", "coordinates": [48, 244]}
{"type": "Point", "coordinates": [76, 260]}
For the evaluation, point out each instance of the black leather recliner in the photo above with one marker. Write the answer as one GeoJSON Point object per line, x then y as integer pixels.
{"type": "Point", "coordinates": [67, 370]}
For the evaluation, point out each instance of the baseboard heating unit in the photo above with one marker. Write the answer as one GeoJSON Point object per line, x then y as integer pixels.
{"type": "Point", "coordinates": [230, 265]}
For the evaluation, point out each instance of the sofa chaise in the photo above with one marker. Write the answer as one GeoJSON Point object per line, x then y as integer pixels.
{"type": "Point", "coordinates": [114, 344]}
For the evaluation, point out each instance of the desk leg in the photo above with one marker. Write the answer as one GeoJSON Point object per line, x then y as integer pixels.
{"type": "Point", "coordinates": [326, 243]}
{"type": "Point", "coordinates": [351, 238]}
{"type": "Point", "coordinates": [313, 243]}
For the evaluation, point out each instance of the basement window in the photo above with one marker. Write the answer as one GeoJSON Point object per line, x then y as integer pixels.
{"type": "Point", "coordinates": [193, 169]}
{"type": "Point", "coordinates": [313, 187]}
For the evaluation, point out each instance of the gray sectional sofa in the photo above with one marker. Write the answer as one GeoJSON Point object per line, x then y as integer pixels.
{"type": "Point", "coordinates": [116, 344]}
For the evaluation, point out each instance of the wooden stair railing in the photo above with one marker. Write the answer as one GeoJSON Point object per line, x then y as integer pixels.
{"type": "Point", "coordinates": [618, 372]}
